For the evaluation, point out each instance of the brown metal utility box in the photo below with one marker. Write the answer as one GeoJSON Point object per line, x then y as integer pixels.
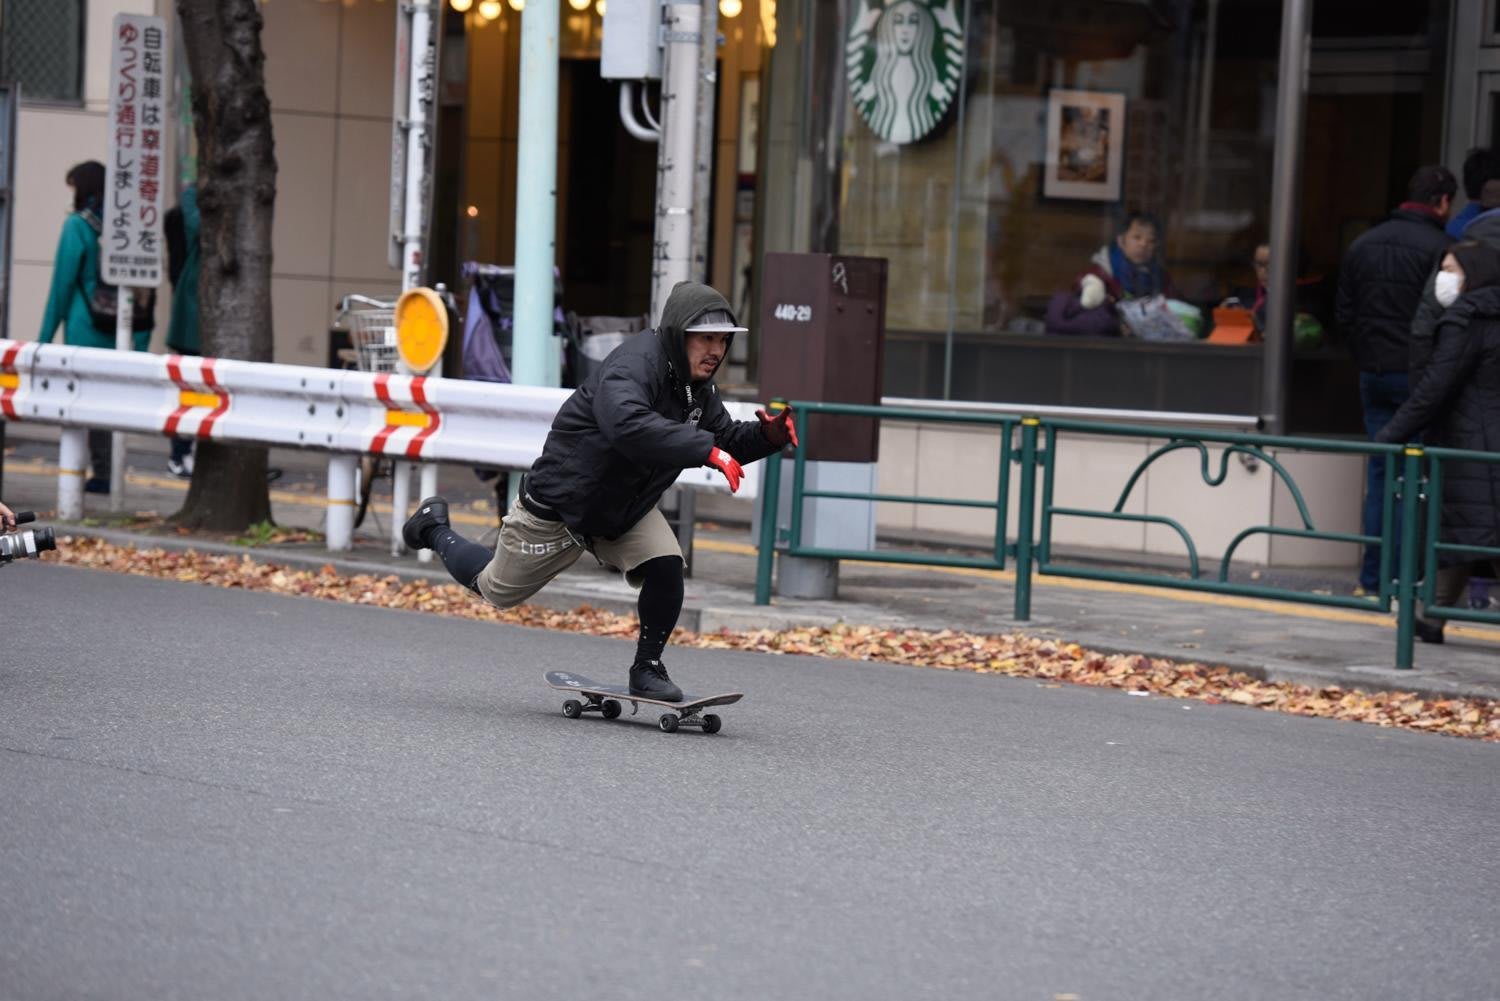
{"type": "Point", "coordinates": [822, 327]}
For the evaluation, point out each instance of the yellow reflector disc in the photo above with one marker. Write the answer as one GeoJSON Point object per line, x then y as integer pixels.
{"type": "Point", "coordinates": [421, 329]}
{"type": "Point", "coordinates": [191, 399]}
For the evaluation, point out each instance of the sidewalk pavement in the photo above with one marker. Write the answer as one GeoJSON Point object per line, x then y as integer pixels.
{"type": "Point", "coordinates": [1273, 640]}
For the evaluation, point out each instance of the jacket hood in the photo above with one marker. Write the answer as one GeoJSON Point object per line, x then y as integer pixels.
{"type": "Point", "coordinates": [687, 302]}
{"type": "Point", "coordinates": [1485, 228]}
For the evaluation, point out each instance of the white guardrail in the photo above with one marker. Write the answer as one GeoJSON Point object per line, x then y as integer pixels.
{"type": "Point", "coordinates": [344, 412]}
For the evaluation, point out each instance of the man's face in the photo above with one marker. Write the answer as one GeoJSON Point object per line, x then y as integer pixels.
{"type": "Point", "coordinates": [1139, 243]}
{"type": "Point", "coordinates": [705, 349]}
{"type": "Point", "coordinates": [1263, 264]}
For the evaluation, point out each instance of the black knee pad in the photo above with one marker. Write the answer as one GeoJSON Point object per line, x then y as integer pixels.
{"type": "Point", "coordinates": [661, 570]}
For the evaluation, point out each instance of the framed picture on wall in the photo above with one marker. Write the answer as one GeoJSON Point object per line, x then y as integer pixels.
{"type": "Point", "coordinates": [1085, 145]}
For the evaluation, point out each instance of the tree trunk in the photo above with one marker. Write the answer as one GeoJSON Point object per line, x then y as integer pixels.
{"type": "Point", "coordinates": [237, 200]}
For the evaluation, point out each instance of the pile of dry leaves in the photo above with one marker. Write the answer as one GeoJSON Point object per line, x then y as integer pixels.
{"type": "Point", "coordinates": [1007, 653]}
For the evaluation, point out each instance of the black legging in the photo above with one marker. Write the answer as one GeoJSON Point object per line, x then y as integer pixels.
{"type": "Point", "coordinates": [465, 560]}
{"type": "Point", "coordinates": [659, 605]}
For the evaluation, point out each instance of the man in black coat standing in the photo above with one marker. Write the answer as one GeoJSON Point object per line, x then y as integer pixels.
{"type": "Point", "coordinates": [1380, 286]}
{"type": "Point", "coordinates": [623, 437]}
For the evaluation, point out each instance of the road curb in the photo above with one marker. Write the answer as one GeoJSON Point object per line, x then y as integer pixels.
{"type": "Point", "coordinates": [712, 617]}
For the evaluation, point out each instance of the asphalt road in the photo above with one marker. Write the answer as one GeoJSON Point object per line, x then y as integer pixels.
{"type": "Point", "coordinates": [213, 794]}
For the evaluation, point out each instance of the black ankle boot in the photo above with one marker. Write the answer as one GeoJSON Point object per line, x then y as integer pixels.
{"type": "Point", "coordinates": [1428, 632]}
{"type": "Point", "coordinates": [648, 679]}
{"type": "Point", "coordinates": [430, 514]}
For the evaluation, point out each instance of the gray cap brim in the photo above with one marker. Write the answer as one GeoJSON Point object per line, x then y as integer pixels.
{"type": "Point", "coordinates": [716, 328]}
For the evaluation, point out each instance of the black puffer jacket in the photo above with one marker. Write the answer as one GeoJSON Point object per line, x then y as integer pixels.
{"type": "Point", "coordinates": [1380, 286]}
{"type": "Point", "coordinates": [1456, 404]}
{"type": "Point", "coordinates": [626, 434]}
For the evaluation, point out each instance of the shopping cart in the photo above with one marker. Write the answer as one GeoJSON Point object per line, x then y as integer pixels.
{"type": "Point", "coordinates": [371, 324]}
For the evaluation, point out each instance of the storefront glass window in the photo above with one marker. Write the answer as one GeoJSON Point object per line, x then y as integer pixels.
{"type": "Point", "coordinates": [992, 191]}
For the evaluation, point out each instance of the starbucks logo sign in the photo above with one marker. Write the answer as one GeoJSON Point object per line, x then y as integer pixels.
{"type": "Point", "coordinates": [905, 60]}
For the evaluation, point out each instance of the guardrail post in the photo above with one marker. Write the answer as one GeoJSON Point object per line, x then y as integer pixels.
{"type": "Point", "coordinates": [1024, 518]}
{"type": "Point", "coordinates": [1406, 609]}
{"type": "Point", "coordinates": [770, 498]}
{"type": "Point", "coordinates": [72, 466]}
{"type": "Point", "coordinates": [400, 502]}
{"type": "Point", "coordinates": [341, 502]}
{"type": "Point", "coordinates": [428, 484]}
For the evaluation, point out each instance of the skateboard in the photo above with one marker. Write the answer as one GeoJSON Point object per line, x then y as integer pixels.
{"type": "Point", "coordinates": [605, 700]}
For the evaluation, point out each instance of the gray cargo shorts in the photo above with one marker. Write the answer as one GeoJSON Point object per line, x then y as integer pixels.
{"type": "Point", "coordinates": [532, 551]}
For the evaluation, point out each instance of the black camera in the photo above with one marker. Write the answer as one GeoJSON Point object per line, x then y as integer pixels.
{"type": "Point", "coordinates": [31, 543]}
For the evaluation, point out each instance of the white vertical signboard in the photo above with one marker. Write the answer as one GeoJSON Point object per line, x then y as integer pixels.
{"type": "Point", "coordinates": [130, 245]}
{"type": "Point", "coordinates": [130, 238]}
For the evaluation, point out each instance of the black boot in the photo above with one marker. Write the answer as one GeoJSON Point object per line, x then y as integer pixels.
{"type": "Point", "coordinates": [430, 514]}
{"type": "Point", "coordinates": [648, 679]}
{"type": "Point", "coordinates": [1428, 632]}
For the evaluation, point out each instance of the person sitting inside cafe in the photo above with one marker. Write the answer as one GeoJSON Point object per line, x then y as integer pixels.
{"type": "Point", "coordinates": [1125, 268]}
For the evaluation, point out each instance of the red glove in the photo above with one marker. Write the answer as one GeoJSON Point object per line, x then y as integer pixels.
{"type": "Point", "coordinates": [725, 463]}
{"type": "Point", "coordinates": [780, 430]}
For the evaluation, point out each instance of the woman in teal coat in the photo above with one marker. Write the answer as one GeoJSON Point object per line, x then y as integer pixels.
{"type": "Point", "coordinates": [75, 274]}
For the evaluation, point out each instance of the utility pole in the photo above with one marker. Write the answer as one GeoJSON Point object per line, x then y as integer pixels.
{"type": "Point", "coordinates": [535, 355]}
{"type": "Point", "coordinates": [703, 186]}
{"type": "Point", "coordinates": [676, 162]}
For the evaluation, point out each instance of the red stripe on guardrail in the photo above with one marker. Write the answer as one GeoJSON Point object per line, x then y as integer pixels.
{"type": "Point", "coordinates": [7, 395]}
{"type": "Point", "coordinates": [174, 372]}
{"type": "Point", "coordinates": [206, 428]}
{"type": "Point", "coordinates": [383, 394]}
{"type": "Point", "coordinates": [419, 397]}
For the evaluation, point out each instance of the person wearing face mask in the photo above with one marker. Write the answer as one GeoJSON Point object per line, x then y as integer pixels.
{"type": "Point", "coordinates": [1455, 403]}
{"type": "Point", "coordinates": [1380, 288]}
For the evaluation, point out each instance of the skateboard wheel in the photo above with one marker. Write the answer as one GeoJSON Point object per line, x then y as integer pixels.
{"type": "Point", "coordinates": [712, 723]}
{"type": "Point", "coordinates": [610, 709]}
{"type": "Point", "coordinates": [572, 709]}
{"type": "Point", "coordinates": [668, 723]}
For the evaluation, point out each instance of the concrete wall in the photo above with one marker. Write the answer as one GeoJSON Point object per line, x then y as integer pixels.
{"type": "Point", "coordinates": [329, 69]}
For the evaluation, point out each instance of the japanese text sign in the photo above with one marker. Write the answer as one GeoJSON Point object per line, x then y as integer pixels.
{"type": "Point", "coordinates": [130, 244]}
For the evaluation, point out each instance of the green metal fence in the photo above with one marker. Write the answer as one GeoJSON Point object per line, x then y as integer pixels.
{"type": "Point", "coordinates": [1407, 468]}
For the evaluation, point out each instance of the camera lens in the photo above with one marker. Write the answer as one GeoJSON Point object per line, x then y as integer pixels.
{"type": "Point", "coordinates": [45, 540]}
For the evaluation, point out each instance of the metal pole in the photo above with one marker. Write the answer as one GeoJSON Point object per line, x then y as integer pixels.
{"type": "Point", "coordinates": [1406, 601]}
{"type": "Point", "coordinates": [341, 502]}
{"type": "Point", "coordinates": [703, 183]}
{"type": "Point", "coordinates": [400, 502]}
{"type": "Point", "coordinates": [1286, 182]}
{"type": "Point", "coordinates": [1024, 518]}
{"type": "Point", "coordinates": [72, 465]}
{"type": "Point", "coordinates": [420, 103]}
{"type": "Point", "coordinates": [675, 160]}
{"type": "Point", "coordinates": [958, 187]}
{"type": "Point", "coordinates": [535, 360]}
{"type": "Point", "coordinates": [421, 89]}
{"type": "Point", "coordinates": [770, 498]}
{"type": "Point", "coordinates": [124, 307]}
{"type": "Point", "coordinates": [429, 486]}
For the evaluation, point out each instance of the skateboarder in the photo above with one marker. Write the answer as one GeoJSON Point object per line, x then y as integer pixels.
{"type": "Point", "coordinates": [617, 443]}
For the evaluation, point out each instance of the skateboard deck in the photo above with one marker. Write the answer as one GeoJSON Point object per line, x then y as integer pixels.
{"type": "Point", "coordinates": [606, 699]}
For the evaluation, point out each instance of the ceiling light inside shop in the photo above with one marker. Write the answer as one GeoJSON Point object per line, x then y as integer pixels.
{"type": "Point", "coordinates": [473, 211]}
{"type": "Point", "coordinates": [580, 4]}
{"type": "Point", "coordinates": [461, 5]}
{"type": "Point", "coordinates": [600, 7]}
{"type": "Point", "coordinates": [489, 9]}
{"type": "Point", "coordinates": [731, 8]}
{"type": "Point", "coordinates": [517, 5]}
